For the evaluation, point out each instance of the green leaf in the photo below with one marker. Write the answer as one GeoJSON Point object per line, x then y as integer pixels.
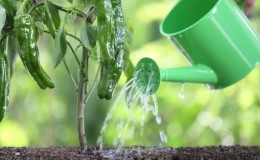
{"type": "Point", "coordinates": [39, 28]}
{"type": "Point", "coordinates": [10, 7]}
{"type": "Point", "coordinates": [52, 17]}
{"type": "Point", "coordinates": [68, 8]}
{"type": "Point", "coordinates": [2, 18]}
{"type": "Point", "coordinates": [54, 14]}
{"type": "Point", "coordinates": [88, 36]}
{"type": "Point", "coordinates": [60, 46]}
{"type": "Point", "coordinates": [50, 26]}
{"type": "Point", "coordinates": [79, 6]}
{"type": "Point", "coordinates": [70, 1]}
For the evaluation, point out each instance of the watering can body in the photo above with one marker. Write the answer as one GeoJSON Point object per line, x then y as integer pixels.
{"type": "Point", "coordinates": [215, 37]}
{"type": "Point", "coordinates": [218, 35]}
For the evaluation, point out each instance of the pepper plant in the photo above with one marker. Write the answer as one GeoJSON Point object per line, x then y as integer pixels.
{"type": "Point", "coordinates": [22, 22]}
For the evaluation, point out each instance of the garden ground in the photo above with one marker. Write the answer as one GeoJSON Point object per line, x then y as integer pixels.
{"type": "Point", "coordinates": [235, 152]}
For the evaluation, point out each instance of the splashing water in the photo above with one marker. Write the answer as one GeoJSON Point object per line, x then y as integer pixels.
{"type": "Point", "coordinates": [137, 108]}
{"type": "Point", "coordinates": [110, 114]}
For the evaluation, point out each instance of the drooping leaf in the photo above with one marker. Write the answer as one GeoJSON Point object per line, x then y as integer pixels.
{"type": "Point", "coordinates": [2, 18]}
{"type": "Point", "coordinates": [60, 46]}
{"type": "Point", "coordinates": [88, 36]}
{"type": "Point", "coordinates": [52, 17]}
{"type": "Point", "coordinates": [39, 28]}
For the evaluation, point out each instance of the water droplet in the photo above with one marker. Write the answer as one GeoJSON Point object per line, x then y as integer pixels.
{"type": "Point", "coordinates": [158, 120]}
{"type": "Point", "coordinates": [109, 116]}
{"type": "Point", "coordinates": [5, 108]}
{"type": "Point", "coordinates": [142, 131]}
{"type": "Point", "coordinates": [181, 94]}
{"type": "Point", "coordinates": [100, 142]}
{"type": "Point", "coordinates": [163, 136]}
{"type": "Point", "coordinates": [142, 122]}
{"type": "Point", "coordinates": [120, 125]}
{"type": "Point", "coordinates": [115, 142]}
{"type": "Point", "coordinates": [132, 132]}
{"type": "Point", "coordinates": [104, 127]}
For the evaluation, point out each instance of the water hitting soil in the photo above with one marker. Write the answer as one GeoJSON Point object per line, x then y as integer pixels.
{"type": "Point", "coordinates": [137, 107]}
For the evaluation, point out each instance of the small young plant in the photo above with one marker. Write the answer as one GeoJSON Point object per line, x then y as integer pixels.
{"type": "Point", "coordinates": [22, 23]}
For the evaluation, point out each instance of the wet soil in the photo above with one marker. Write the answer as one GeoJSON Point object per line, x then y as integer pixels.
{"type": "Point", "coordinates": [133, 153]}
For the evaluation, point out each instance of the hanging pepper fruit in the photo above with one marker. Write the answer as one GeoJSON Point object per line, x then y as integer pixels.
{"type": "Point", "coordinates": [111, 37]}
{"type": "Point", "coordinates": [4, 84]}
{"type": "Point", "coordinates": [28, 50]}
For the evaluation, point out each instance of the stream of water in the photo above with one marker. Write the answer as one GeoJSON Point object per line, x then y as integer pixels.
{"type": "Point", "coordinates": [137, 107]}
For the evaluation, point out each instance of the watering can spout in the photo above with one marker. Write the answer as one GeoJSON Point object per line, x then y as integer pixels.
{"type": "Point", "coordinates": [196, 74]}
{"type": "Point", "coordinates": [148, 75]}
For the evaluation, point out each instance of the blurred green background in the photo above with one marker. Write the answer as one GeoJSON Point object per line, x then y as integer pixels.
{"type": "Point", "coordinates": [204, 117]}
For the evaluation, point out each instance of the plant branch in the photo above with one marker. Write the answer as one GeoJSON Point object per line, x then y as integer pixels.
{"type": "Point", "coordinates": [69, 72]}
{"type": "Point", "coordinates": [75, 55]}
{"type": "Point", "coordinates": [75, 37]}
{"type": "Point", "coordinates": [22, 7]}
{"type": "Point", "coordinates": [79, 13]}
{"type": "Point", "coordinates": [83, 78]}
{"type": "Point", "coordinates": [61, 8]}
{"type": "Point", "coordinates": [71, 35]}
{"type": "Point", "coordinates": [34, 7]}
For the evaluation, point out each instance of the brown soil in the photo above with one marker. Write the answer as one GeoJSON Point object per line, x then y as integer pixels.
{"type": "Point", "coordinates": [133, 153]}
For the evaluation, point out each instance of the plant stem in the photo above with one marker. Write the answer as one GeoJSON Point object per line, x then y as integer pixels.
{"type": "Point", "coordinates": [21, 9]}
{"type": "Point", "coordinates": [71, 35]}
{"type": "Point", "coordinates": [79, 13]}
{"type": "Point", "coordinates": [34, 7]}
{"type": "Point", "coordinates": [83, 78]}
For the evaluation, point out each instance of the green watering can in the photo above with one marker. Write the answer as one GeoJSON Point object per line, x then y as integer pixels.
{"type": "Point", "coordinates": [215, 37]}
